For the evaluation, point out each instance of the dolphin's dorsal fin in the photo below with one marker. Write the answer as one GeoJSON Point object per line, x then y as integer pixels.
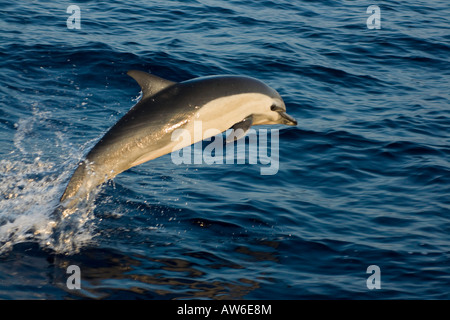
{"type": "Point", "coordinates": [150, 84]}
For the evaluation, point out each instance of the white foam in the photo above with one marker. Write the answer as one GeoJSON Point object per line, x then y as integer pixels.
{"type": "Point", "coordinates": [30, 187]}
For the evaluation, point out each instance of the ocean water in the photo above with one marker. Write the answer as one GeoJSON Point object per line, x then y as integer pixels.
{"type": "Point", "coordinates": [363, 179]}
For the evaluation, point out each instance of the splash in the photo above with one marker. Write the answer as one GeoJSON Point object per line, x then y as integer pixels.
{"type": "Point", "coordinates": [30, 187]}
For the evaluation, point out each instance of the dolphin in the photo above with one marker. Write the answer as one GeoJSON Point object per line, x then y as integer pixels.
{"type": "Point", "coordinates": [145, 132]}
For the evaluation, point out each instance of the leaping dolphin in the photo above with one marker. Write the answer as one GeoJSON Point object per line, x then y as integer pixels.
{"type": "Point", "coordinates": [144, 133]}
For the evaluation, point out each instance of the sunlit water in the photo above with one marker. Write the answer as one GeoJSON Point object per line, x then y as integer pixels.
{"type": "Point", "coordinates": [363, 179]}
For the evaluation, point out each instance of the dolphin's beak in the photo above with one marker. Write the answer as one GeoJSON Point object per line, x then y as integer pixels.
{"type": "Point", "coordinates": [284, 117]}
{"type": "Point", "coordinates": [287, 119]}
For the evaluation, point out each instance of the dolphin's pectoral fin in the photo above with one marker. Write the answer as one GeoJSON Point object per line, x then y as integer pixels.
{"type": "Point", "coordinates": [149, 83]}
{"type": "Point", "coordinates": [240, 129]}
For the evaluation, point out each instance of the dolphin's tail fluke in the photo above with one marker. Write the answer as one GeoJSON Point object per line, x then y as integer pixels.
{"type": "Point", "coordinates": [82, 182]}
{"type": "Point", "coordinates": [75, 182]}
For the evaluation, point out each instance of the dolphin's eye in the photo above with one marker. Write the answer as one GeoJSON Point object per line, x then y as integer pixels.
{"type": "Point", "coordinates": [276, 108]}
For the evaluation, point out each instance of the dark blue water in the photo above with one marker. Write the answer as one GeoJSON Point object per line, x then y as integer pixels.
{"type": "Point", "coordinates": [364, 179]}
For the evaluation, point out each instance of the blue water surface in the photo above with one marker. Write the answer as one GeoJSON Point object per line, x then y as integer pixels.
{"type": "Point", "coordinates": [363, 178]}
